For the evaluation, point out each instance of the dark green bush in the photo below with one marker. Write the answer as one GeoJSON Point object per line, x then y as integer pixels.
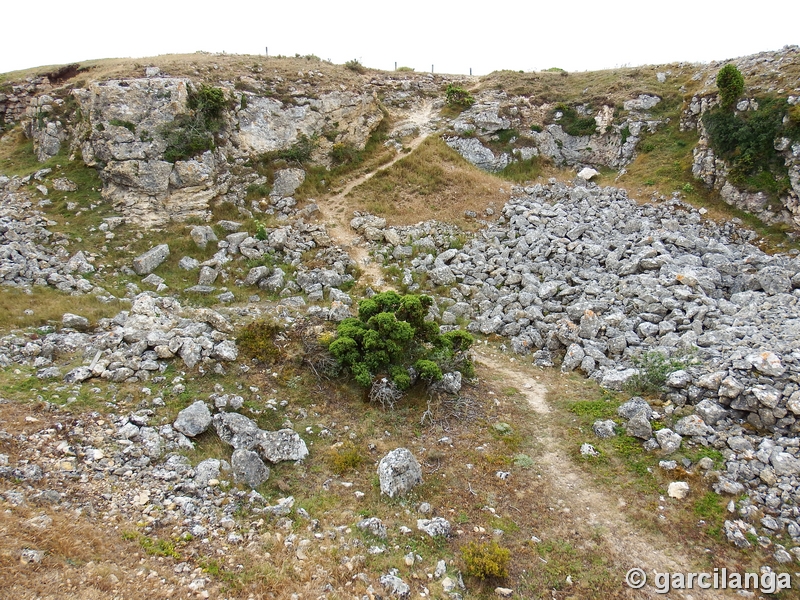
{"type": "Point", "coordinates": [730, 83]}
{"type": "Point", "coordinates": [486, 560]}
{"type": "Point", "coordinates": [192, 133]}
{"type": "Point", "coordinates": [571, 121]}
{"type": "Point", "coordinates": [390, 337]}
{"type": "Point", "coordinates": [458, 97]}
{"type": "Point", "coordinates": [747, 142]}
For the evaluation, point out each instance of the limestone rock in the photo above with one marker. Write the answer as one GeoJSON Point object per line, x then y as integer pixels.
{"type": "Point", "coordinates": [398, 472]}
{"type": "Point", "coordinates": [237, 430]}
{"type": "Point", "coordinates": [374, 526]}
{"type": "Point", "coordinates": [434, 527]}
{"type": "Point", "coordinates": [678, 490]}
{"type": "Point", "coordinates": [193, 420]}
{"type": "Point", "coordinates": [75, 322]}
{"type": "Point", "coordinates": [146, 263]}
{"type": "Point", "coordinates": [278, 446]}
{"type": "Point", "coordinates": [248, 468]}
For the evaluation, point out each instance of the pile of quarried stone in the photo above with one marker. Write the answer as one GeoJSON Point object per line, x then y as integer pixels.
{"type": "Point", "coordinates": [585, 274]}
{"type": "Point", "coordinates": [30, 254]}
{"type": "Point", "coordinates": [133, 346]}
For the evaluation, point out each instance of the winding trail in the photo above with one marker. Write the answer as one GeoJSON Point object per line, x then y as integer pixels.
{"type": "Point", "coordinates": [584, 504]}
{"type": "Point", "coordinates": [336, 213]}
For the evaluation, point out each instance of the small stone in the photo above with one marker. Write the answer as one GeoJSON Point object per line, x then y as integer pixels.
{"type": "Point", "coordinates": [604, 429]}
{"type": "Point", "coordinates": [678, 490]}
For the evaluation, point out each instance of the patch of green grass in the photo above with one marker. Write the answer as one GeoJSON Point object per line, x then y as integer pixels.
{"type": "Point", "coordinates": [157, 547]}
{"type": "Point", "coordinates": [711, 507]}
{"type": "Point", "coordinates": [571, 121]}
{"type": "Point", "coordinates": [521, 171]}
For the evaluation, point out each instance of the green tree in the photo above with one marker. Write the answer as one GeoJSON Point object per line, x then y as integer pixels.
{"type": "Point", "coordinates": [730, 83]}
{"type": "Point", "coordinates": [391, 340]}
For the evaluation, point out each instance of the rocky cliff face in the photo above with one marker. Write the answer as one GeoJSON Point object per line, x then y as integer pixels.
{"type": "Point", "coordinates": [714, 171]}
{"type": "Point", "coordinates": [476, 132]}
{"type": "Point", "coordinates": [117, 126]}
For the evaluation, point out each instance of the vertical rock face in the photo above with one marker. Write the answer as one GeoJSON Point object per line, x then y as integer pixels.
{"type": "Point", "coordinates": [122, 132]}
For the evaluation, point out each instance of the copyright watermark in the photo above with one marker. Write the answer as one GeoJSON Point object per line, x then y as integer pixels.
{"type": "Point", "coordinates": [767, 582]}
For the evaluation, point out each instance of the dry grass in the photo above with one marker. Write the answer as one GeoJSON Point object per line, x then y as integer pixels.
{"type": "Point", "coordinates": [611, 87]}
{"type": "Point", "coordinates": [209, 67]}
{"type": "Point", "coordinates": [48, 305]}
{"type": "Point", "coordinates": [432, 182]}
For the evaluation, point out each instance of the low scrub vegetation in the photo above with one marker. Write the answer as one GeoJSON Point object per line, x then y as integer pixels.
{"type": "Point", "coordinates": [192, 133]}
{"type": "Point", "coordinates": [391, 340]}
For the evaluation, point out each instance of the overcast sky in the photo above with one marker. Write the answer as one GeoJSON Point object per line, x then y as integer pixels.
{"type": "Point", "coordinates": [454, 37]}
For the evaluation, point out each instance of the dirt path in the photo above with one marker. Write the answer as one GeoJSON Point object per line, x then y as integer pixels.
{"type": "Point", "coordinates": [583, 504]}
{"type": "Point", "coordinates": [589, 506]}
{"type": "Point", "coordinates": [336, 212]}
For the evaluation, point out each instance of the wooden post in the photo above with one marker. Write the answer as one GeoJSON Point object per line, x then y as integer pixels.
{"type": "Point", "coordinates": [395, 65]}
{"type": "Point", "coordinates": [431, 69]}
{"type": "Point", "coordinates": [267, 49]}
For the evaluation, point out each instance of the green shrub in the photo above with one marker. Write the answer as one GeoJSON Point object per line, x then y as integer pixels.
{"type": "Point", "coordinates": [406, 69]}
{"type": "Point", "coordinates": [299, 152]}
{"type": "Point", "coordinates": [458, 97]}
{"type": "Point", "coordinates": [654, 368]}
{"type": "Point", "coordinates": [261, 231]}
{"type": "Point", "coordinates": [486, 560]}
{"type": "Point", "coordinates": [730, 83]}
{"type": "Point", "coordinates": [571, 121]}
{"type": "Point", "coordinates": [344, 154]}
{"type": "Point", "coordinates": [391, 337]}
{"type": "Point", "coordinates": [356, 66]}
{"type": "Point", "coordinates": [192, 133]}
{"type": "Point", "coordinates": [747, 142]}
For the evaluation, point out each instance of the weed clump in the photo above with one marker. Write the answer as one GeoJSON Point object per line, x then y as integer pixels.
{"type": "Point", "coordinates": [458, 97]}
{"type": "Point", "coordinates": [654, 368]}
{"type": "Point", "coordinates": [256, 340]}
{"type": "Point", "coordinates": [355, 66]}
{"type": "Point", "coordinates": [486, 560]}
{"type": "Point", "coordinates": [346, 458]}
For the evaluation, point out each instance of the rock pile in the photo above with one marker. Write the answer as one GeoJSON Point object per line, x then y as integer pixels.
{"type": "Point", "coordinates": [30, 254]}
{"type": "Point", "coordinates": [586, 273]}
{"type": "Point", "coordinates": [133, 346]}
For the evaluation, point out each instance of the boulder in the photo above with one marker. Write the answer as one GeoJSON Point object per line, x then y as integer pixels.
{"type": "Point", "coordinates": [76, 322]}
{"type": "Point", "coordinates": [398, 472]}
{"type": "Point", "coordinates": [668, 440]}
{"type": "Point", "coordinates": [237, 430]}
{"type": "Point", "coordinates": [434, 527]}
{"type": "Point", "coordinates": [604, 429]}
{"type": "Point", "coordinates": [278, 446]}
{"type": "Point", "coordinates": [248, 468]}
{"type": "Point", "coordinates": [193, 420]}
{"type": "Point", "coordinates": [374, 526]}
{"type": "Point", "coordinates": [146, 263]}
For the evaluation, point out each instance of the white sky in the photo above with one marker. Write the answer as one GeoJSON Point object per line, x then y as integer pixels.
{"type": "Point", "coordinates": [454, 37]}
